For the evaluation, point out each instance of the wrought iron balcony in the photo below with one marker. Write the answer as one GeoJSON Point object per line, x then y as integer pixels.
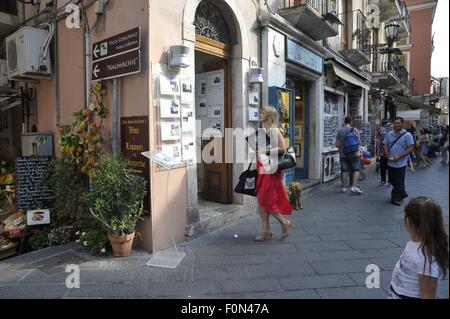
{"type": "Point", "coordinates": [8, 16]}
{"type": "Point", "coordinates": [316, 18]}
{"type": "Point", "coordinates": [387, 70]}
{"type": "Point", "coordinates": [354, 38]}
{"type": "Point", "coordinates": [396, 9]}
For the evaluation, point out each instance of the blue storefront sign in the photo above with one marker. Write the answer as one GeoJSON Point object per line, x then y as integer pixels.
{"type": "Point", "coordinates": [300, 55]}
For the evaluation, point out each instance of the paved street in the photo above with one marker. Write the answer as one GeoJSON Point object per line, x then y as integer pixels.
{"type": "Point", "coordinates": [333, 240]}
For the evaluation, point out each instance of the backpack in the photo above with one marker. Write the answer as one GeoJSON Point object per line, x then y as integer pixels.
{"type": "Point", "coordinates": [351, 142]}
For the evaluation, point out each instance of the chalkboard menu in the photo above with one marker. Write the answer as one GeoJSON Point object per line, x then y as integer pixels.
{"type": "Point", "coordinates": [31, 191]}
{"type": "Point", "coordinates": [331, 123]}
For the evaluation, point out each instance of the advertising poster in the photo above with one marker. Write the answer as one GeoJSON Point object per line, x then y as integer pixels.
{"type": "Point", "coordinates": [134, 141]}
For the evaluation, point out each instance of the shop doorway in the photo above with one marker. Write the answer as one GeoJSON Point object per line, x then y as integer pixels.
{"type": "Point", "coordinates": [301, 130]}
{"type": "Point", "coordinates": [213, 110]}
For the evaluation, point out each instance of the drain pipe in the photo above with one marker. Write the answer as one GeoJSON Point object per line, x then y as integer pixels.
{"type": "Point", "coordinates": [87, 58]}
{"type": "Point", "coordinates": [87, 67]}
{"type": "Point", "coordinates": [115, 118]}
{"type": "Point", "coordinates": [57, 78]}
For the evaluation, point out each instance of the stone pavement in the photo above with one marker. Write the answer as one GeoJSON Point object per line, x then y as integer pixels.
{"type": "Point", "coordinates": [332, 241]}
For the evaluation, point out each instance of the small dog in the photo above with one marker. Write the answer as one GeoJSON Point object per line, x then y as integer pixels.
{"type": "Point", "coordinates": [294, 195]}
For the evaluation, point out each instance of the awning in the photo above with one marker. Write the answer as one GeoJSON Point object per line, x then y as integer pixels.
{"type": "Point", "coordinates": [347, 76]}
{"type": "Point", "coordinates": [415, 105]}
{"type": "Point", "coordinates": [412, 115]}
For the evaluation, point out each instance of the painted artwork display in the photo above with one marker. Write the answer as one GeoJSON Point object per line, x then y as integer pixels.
{"type": "Point", "coordinates": [169, 108]}
{"type": "Point", "coordinates": [187, 120]}
{"type": "Point", "coordinates": [187, 93]}
{"type": "Point", "coordinates": [253, 98]}
{"type": "Point", "coordinates": [170, 131]}
{"type": "Point", "coordinates": [215, 112]}
{"type": "Point", "coordinates": [169, 86]}
{"type": "Point", "coordinates": [202, 107]}
{"type": "Point", "coordinates": [172, 150]}
{"type": "Point", "coordinates": [202, 86]}
{"type": "Point", "coordinates": [253, 114]}
{"type": "Point", "coordinates": [209, 100]}
{"type": "Point", "coordinates": [216, 79]}
{"type": "Point", "coordinates": [188, 148]}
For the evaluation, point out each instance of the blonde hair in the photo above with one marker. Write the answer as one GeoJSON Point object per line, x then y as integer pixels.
{"type": "Point", "coordinates": [272, 115]}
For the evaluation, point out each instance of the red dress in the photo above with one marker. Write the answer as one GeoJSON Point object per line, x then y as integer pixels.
{"type": "Point", "coordinates": [270, 192]}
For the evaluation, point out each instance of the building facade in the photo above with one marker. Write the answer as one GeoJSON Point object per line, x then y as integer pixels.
{"type": "Point", "coordinates": [211, 64]}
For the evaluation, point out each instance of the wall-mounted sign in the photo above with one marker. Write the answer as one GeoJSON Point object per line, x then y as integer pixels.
{"type": "Point", "coordinates": [117, 56]}
{"type": "Point", "coordinates": [124, 42]}
{"type": "Point", "coordinates": [134, 141]}
{"type": "Point", "coordinates": [300, 55]}
{"type": "Point", "coordinates": [38, 217]}
{"type": "Point", "coordinates": [117, 66]}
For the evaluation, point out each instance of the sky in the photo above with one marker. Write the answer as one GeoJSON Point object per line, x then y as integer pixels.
{"type": "Point", "coordinates": [439, 62]}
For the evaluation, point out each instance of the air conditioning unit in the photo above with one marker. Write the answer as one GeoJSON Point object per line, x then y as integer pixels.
{"type": "Point", "coordinates": [25, 54]}
{"type": "Point", "coordinates": [4, 81]}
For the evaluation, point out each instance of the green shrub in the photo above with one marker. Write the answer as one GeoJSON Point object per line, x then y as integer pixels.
{"type": "Point", "coordinates": [69, 188]}
{"type": "Point", "coordinates": [116, 196]}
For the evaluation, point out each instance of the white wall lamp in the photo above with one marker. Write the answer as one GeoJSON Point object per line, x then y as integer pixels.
{"type": "Point", "coordinates": [178, 56]}
{"type": "Point", "coordinates": [255, 76]}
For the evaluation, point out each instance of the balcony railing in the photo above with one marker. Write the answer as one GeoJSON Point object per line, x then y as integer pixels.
{"type": "Point", "coordinates": [317, 18]}
{"type": "Point", "coordinates": [355, 34]}
{"type": "Point", "coordinates": [8, 6]}
{"type": "Point", "coordinates": [385, 61]}
{"type": "Point", "coordinates": [322, 7]}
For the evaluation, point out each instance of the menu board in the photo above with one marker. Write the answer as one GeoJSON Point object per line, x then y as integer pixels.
{"type": "Point", "coordinates": [134, 141]}
{"type": "Point", "coordinates": [31, 190]}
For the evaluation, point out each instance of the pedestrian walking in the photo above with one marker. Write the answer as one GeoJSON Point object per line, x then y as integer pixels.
{"type": "Point", "coordinates": [410, 163]}
{"type": "Point", "coordinates": [425, 259]}
{"type": "Point", "coordinates": [423, 147]}
{"type": "Point", "coordinates": [444, 147]}
{"type": "Point", "coordinates": [398, 145]}
{"type": "Point", "coordinates": [383, 157]}
{"type": "Point", "coordinates": [272, 199]}
{"type": "Point", "coordinates": [348, 142]}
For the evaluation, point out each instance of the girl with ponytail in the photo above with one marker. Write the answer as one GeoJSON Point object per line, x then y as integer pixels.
{"type": "Point", "coordinates": [425, 259]}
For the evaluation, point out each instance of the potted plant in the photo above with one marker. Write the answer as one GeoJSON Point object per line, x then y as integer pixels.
{"type": "Point", "coordinates": [116, 200]}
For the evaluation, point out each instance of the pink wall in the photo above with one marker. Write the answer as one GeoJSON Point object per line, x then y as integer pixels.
{"type": "Point", "coordinates": [421, 50]}
{"type": "Point", "coordinates": [174, 216]}
{"type": "Point", "coordinates": [134, 90]}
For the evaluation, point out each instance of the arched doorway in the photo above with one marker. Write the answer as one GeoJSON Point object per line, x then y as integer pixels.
{"type": "Point", "coordinates": [213, 100]}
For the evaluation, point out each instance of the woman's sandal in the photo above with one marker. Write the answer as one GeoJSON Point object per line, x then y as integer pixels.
{"type": "Point", "coordinates": [264, 237]}
{"type": "Point", "coordinates": [286, 229]}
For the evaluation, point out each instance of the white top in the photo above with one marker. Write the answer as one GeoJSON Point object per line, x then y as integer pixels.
{"type": "Point", "coordinates": [405, 279]}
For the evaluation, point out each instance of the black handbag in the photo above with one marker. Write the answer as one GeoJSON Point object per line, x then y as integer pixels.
{"type": "Point", "coordinates": [287, 159]}
{"type": "Point", "coordinates": [247, 182]}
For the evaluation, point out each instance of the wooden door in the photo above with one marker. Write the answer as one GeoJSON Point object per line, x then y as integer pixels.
{"type": "Point", "coordinates": [217, 176]}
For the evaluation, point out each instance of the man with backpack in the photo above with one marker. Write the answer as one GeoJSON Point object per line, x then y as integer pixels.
{"type": "Point", "coordinates": [398, 144]}
{"type": "Point", "coordinates": [348, 142]}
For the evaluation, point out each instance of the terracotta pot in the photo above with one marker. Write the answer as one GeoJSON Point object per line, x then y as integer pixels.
{"type": "Point", "coordinates": [121, 245]}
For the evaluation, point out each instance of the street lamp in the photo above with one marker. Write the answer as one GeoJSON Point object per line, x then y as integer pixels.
{"type": "Point", "coordinates": [391, 30]}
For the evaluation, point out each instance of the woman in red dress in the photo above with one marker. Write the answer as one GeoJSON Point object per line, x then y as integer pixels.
{"type": "Point", "coordinates": [271, 196]}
